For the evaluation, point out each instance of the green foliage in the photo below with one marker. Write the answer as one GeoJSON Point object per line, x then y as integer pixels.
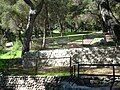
{"type": "Point", "coordinates": [3, 64]}
{"type": "Point", "coordinates": [13, 16]}
{"type": "Point", "coordinates": [80, 15]}
{"type": "Point", "coordinates": [15, 52]}
{"type": "Point", "coordinates": [13, 13]}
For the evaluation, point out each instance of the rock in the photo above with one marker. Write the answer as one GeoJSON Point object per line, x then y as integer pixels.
{"type": "Point", "coordinates": [9, 44]}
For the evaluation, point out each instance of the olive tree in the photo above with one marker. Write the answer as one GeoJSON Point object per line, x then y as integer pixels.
{"type": "Point", "coordinates": [34, 10]}
{"type": "Point", "coordinates": [110, 22]}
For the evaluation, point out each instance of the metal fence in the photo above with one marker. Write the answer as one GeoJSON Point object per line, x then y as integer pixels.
{"type": "Point", "coordinates": [22, 66]}
{"type": "Point", "coordinates": [75, 71]}
{"type": "Point", "coordinates": [74, 68]}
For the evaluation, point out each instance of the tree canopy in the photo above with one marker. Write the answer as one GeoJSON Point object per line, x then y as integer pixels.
{"type": "Point", "coordinates": [23, 18]}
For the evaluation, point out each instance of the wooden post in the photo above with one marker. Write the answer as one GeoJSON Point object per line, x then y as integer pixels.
{"type": "Point", "coordinates": [74, 70]}
{"type": "Point", "coordinates": [71, 71]}
{"type": "Point", "coordinates": [113, 72]}
{"type": "Point", "coordinates": [36, 67]}
{"type": "Point", "coordinates": [78, 70]}
{"type": "Point", "coordinates": [113, 78]}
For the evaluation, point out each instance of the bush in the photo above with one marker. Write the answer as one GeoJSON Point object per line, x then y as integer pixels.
{"type": "Point", "coordinates": [3, 64]}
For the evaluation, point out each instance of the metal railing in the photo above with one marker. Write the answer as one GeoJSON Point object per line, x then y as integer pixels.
{"type": "Point", "coordinates": [75, 71]}
{"type": "Point", "coordinates": [76, 67]}
{"type": "Point", "coordinates": [15, 63]}
{"type": "Point", "coordinates": [18, 63]}
{"type": "Point", "coordinates": [46, 58]}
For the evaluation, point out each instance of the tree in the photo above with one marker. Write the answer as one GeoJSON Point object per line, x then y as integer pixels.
{"type": "Point", "coordinates": [59, 11]}
{"type": "Point", "coordinates": [110, 23]}
{"type": "Point", "coordinates": [13, 17]}
{"type": "Point", "coordinates": [46, 25]}
{"type": "Point", "coordinates": [33, 13]}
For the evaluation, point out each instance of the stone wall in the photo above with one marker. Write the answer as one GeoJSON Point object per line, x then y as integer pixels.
{"type": "Point", "coordinates": [55, 83]}
{"type": "Point", "coordinates": [88, 55]}
{"type": "Point", "coordinates": [30, 83]}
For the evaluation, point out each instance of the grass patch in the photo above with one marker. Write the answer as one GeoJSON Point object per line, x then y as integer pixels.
{"type": "Point", "coordinates": [46, 71]}
{"type": "Point", "coordinates": [74, 38]}
{"type": "Point", "coordinates": [54, 73]}
{"type": "Point", "coordinates": [3, 52]}
{"type": "Point", "coordinates": [14, 52]}
{"type": "Point", "coordinates": [21, 71]}
{"type": "Point", "coordinates": [11, 54]}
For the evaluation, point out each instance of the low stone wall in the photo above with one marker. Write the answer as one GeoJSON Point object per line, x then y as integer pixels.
{"type": "Point", "coordinates": [55, 83]}
{"type": "Point", "coordinates": [88, 55]}
{"type": "Point", "coordinates": [31, 82]}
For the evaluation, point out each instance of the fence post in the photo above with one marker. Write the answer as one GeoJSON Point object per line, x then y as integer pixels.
{"type": "Point", "coordinates": [78, 69]}
{"type": "Point", "coordinates": [113, 77]}
{"type": "Point", "coordinates": [113, 72]}
{"type": "Point", "coordinates": [74, 70]}
{"type": "Point", "coordinates": [36, 67]}
{"type": "Point", "coordinates": [71, 73]}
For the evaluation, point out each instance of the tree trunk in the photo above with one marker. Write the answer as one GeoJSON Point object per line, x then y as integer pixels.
{"type": "Point", "coordinates": [46, 27]}
{"type": "Point", "coordinates": [110, 24]}
{"type": "Point", "coordinates": [44, 40]}
{"type": "Point", "coordinates": [28, 32]}
{"type": "Point", "coordinates": [33, 12]}
{"type": "Point", "coordinates": [20, 36]}
{"type": "Point", "coordinates": [61, 27]}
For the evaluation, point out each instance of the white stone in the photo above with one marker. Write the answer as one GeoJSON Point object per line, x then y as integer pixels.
{"type": "Point", "coordinates": [9, 44]}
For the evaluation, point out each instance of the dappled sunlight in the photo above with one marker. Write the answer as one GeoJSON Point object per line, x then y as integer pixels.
{"type": "Point", "coordinates": [30, 82]}
{"type": "Point", "coordinates": [59, 45]}
{"type": "Point", "coordinates": [99, 71]}
{"type": "Point", "coordinates": [83, 55]}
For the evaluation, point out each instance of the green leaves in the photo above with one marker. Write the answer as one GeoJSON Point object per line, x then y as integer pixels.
{"type": "Point", "coordinates": [3, 64]}
{"type": "Point", "coordinates": [15, 52]}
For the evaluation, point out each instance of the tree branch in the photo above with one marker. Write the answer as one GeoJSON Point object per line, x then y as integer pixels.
{"type": "Point", "coordinates": [96, 14]}
{"type": "Point", "coordinates": [39, 7]}
{"type": "Point", "coordinates": [30, 4]}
